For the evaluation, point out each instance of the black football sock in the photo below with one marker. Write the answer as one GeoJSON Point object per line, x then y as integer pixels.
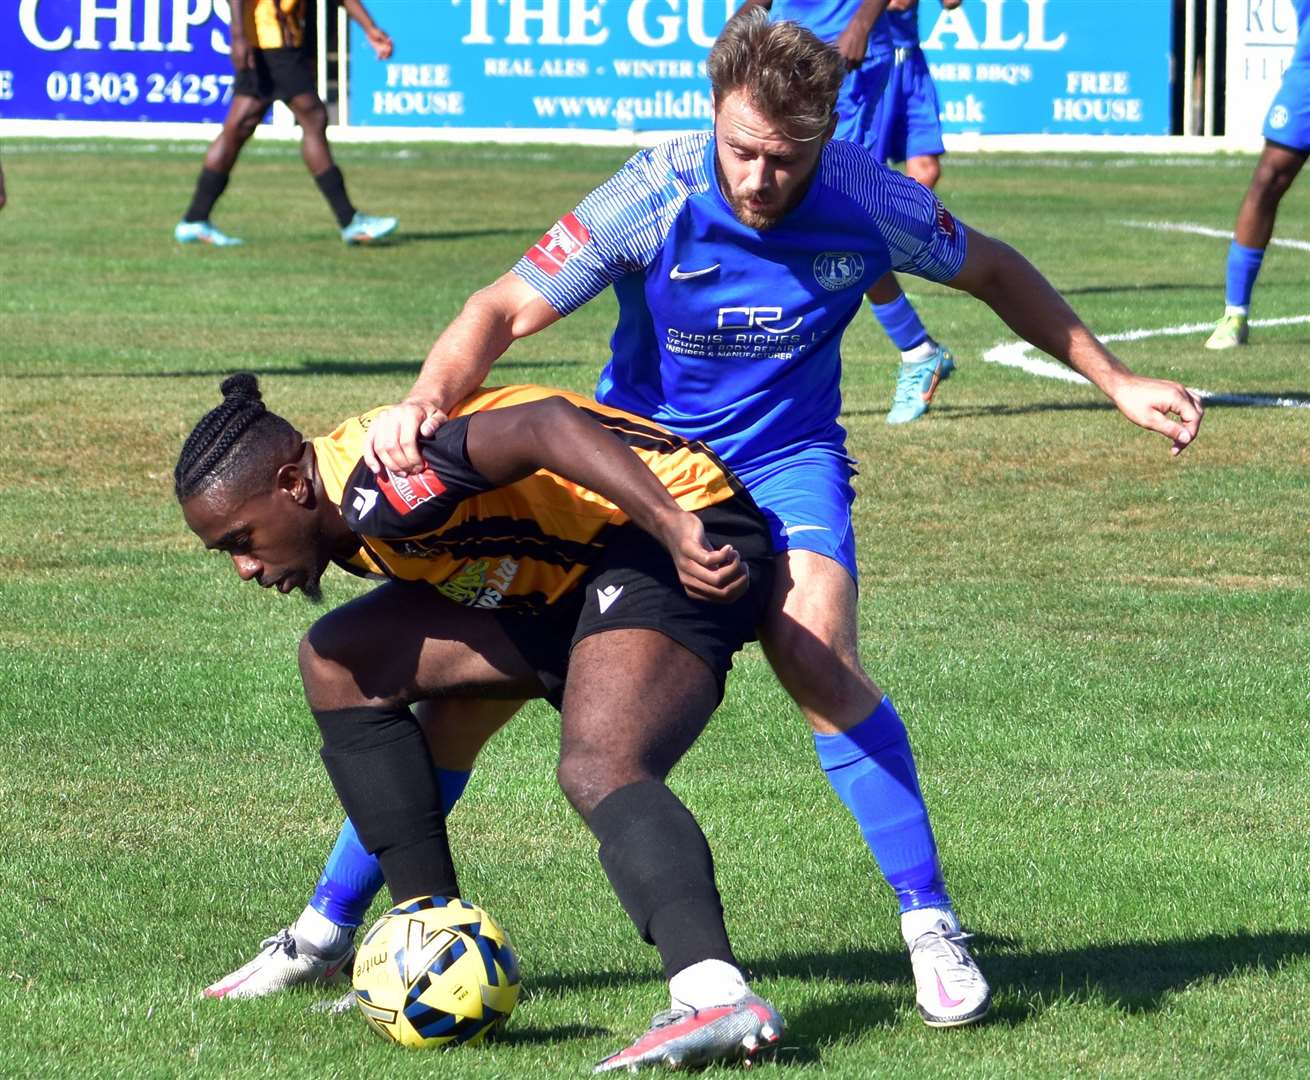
{"type": "Point", "coordinates": [380, 766]}
{"type": "Point", "coordinates": [659, 863]}
{"type": "Point", "coordinates": [333, 186]}
{"type": "Point", "coordinates": [209, 187]}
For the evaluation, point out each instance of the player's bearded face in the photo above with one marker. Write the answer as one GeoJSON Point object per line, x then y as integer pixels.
{"type": "Point", "coordinates": [764, 170]}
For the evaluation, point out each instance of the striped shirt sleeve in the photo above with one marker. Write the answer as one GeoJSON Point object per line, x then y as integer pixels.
{"type": "Point", "coordinates": [922, 236]}
{"type": "Point", "coordinates": [616, 230]}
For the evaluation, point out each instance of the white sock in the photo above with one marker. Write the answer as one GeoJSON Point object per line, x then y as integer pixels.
{"type": "Point", "coordinates": [920, 352]}
{"type": "Point", "coordinates": [317, 933]}
{"type": "Point", "coordinates": [706, 984]}
{"type": "Point", "coordinates": [921, 920]}
{"type": "Point", "coordinates": [1235, 309]}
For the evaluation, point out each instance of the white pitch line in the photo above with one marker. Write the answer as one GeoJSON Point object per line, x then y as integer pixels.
{"type": "Point", "coordinates": [1014, 354]}
{"type": "Point", "coordinates": [1205, 230]}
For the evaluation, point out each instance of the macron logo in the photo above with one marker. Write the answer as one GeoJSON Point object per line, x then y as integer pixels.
{"type": "Point", "coordinates": [678, 274]}
{"type": "Point", "coordinates": [605, 597]}
{"type": "Point", "coordinates": [364, 500]}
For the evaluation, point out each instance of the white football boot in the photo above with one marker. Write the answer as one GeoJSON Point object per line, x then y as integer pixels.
{"type": "Point", "coordinates": [280, 965]}
{"type": "Point", "coordinates": [949, 988]}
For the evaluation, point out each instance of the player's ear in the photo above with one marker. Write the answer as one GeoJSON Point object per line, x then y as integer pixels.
{"type": "Point", "coordinates": [296, 478]}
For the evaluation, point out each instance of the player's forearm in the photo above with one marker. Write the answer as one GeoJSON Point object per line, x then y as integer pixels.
{"type": "Point", "coordinates": [459, 361]}
{"type": "Point", "coordinates": [1033, 308]}
{"type": "Point", "coordinates": [237, 27]}
{"type": "Point", "coordinates": [868, 13]}
{"type": "Point", "coordinates": [357, 11]}
{"type": "Point", "coordinates": [508, 444]}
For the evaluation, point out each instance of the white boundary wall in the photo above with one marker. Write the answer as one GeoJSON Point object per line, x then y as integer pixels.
{"type": "Point", "coordinates": [1045, 144]}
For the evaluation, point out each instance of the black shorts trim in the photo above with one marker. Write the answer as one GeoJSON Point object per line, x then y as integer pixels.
{"type": "Point", "coordinates": [278, 74]}
{"type": "Point", "coordinates": [637, 584]}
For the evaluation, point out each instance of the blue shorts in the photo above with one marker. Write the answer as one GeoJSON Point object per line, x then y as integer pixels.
{"type": "Point", "coordinates": [909, 115]}
{"type": "Point", "coordinates": [806, 501]}
{"type": "Point", "coordinates": [1288, 120]}
{"type": "Point", "coordinates": [858, 97]}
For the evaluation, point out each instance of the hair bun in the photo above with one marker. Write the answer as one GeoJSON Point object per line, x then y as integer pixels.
{"type": "Point", "coordinates": [241, 385]}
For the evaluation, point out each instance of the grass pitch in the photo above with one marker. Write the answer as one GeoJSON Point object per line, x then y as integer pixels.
{"type": "Point", "coordinates": [1100, 651]}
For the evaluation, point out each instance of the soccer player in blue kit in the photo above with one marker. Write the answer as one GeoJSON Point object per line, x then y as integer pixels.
{"type": "Point", "coordinates": [1287, 143]}
{"type": "Point", "coordinates": [909, 125]}
{"type": "Point", "coordinates": [738, 258]}
{"type": "Point", "coordinates": [861, 32]}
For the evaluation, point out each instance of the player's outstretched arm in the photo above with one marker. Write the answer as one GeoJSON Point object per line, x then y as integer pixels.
{"type": "Point", "coordinates": [1030, 305]}
{"type": "Point", "coordinates": [377, 37]}
{"type": "Point", "coordinates": [491, 320]}
{"type": "Point", "coordinates": [508, 444]}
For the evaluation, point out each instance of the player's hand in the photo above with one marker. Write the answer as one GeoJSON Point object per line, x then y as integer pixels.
{"type": "Point", "coordinates": [391, 442]}
{"type": "Point", "coordinates": [716, 575]}
{"type": "Point", "coordinates": [1163, 406]}
{"type": "Point", "coordinates": [853, 45]}
{"type": "Point", "coordinates": [905, 5]}
{"type": "Point", "coordinates": [243, 56]}
{"type": "Point", "coordinates": [381, 42]}
{"type": "Point", "coordinates": [951, 5]}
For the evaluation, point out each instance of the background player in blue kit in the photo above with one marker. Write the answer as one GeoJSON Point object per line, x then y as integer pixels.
{"type": "Point", "coordinates": [1287, 143]}
{"type": "Point", "coordinates": [909, 126]}
{"type": "Point", "coordinates": [859, 31]}
{"type": "Point", "coordinates": [738, 258]}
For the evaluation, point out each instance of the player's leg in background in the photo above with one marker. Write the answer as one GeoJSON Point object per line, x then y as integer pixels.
{"type": "Point", "coordinates": [1274, 173]}
{"type": "Point", "coordinates": [925, 168]}
{"type": "Point", "coordinates": [356, 227]}
{"type": "Point", "coordinates": [360, 664]}
{"type": "Point", "coordinates": [811, 640]}
{"type": "Point", "coordinates": [243, 117]}
{"type": "Point", "coordinates": [634, 703]}
{"type": "Point", "coordinates": [924, 362]}
{"type": "Point", "coordinates": [456, 729]}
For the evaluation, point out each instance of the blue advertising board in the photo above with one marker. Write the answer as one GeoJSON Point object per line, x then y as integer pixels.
{"type": "Point", "coordinates": [1088, 67]}
{"type": "Point", "coordinates": [127, 60]}
{"type": "Point", "coordinates": [1085, 66]}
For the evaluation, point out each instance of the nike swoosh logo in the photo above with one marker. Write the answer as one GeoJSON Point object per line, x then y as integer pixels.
{"type": "Point", "coordinates": [677, 274]}
{"type": "Point", "coordinates": [945, 998]}
{"type": "Point", "coordinates": [791, 530]}
{"type": "Point", "coordinates": [605, 597]}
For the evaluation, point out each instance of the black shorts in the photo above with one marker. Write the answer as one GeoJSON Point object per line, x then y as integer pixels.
{"type": "Point", "coordinates": [282, 74]}
{"type": "Point", "coordinates": [635, 585]}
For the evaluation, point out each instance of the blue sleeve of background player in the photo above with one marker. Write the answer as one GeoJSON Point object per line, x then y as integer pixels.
{"type": "Point", "coordinates": [615, 231]}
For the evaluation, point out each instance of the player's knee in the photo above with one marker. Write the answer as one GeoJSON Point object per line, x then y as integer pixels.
{"type": "Point", "coordinates": [313, 118]}
{"type": "Point", "coordinates": [325, 659]}
{"type": "Point", "coordinates": [1271, 182]}
{"type": "Point", "coordinates": [586, 776]}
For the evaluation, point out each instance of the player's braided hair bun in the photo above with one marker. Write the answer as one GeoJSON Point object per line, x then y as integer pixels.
{"type": "Point", "coordinates": [241, 385]}
{"type": "Point", "coordinates": [218, 445]}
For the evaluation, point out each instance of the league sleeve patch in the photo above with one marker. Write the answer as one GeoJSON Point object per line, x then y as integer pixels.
{"type": "Point", "coordinates": [408, 493]}
{"type": "Point", "coordinates": [560, 243]}
{"type": "Point", "coordinates": [945, 223]}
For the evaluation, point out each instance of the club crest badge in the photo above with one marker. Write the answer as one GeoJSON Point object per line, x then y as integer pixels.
{"type": "Point", "coordinates": [837, 270]}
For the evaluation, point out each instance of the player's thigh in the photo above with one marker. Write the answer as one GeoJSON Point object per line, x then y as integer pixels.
{"type": "Point", "coordinates": [406, 642]}
{"type": "Point", "coordinates": [635, 702]}
{"type": "Point", "coordinates": [457, 728]}
{"type": "Point", "coordinates": [806, 501]}
{"type": "Point", "coordinates": [244, 114]}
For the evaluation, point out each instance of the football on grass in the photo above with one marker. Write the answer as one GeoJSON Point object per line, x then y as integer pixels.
{"type": "Point", "coordinates": [436, 972]}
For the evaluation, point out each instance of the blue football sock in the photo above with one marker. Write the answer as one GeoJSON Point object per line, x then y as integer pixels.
{"type": "Point", "coordinates": [872, 770]}
{"type": "Point", "coordinates": [1243, 268]}
{"type": "Point", "coordinates": [352, 877]}
{"type": "Point", "coordinates": [901, 322]}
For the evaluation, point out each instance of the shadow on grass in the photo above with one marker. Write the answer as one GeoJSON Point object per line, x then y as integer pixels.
{"type": "Point", "coordinates": [408, 236]}
{"type": "Point", "coordinates": [315, 366]}
{"type": "Point", "coordinates": [1132, 287]}
{"type": "Point", "coordinates": [517, 1035]}
{"type": "Point", "coordinates": [1134, 976]}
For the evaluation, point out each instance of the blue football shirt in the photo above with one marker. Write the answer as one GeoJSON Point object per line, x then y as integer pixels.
{"type": "Point", "coordinates": [725, 333]}
{"type": "Point", "coordinates": [1301, 55]}
{"type": "Point", "coordinates": [828, 18]}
